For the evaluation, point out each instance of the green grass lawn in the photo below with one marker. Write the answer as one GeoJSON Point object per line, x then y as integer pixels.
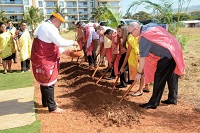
{"type": "Point", "coordinates": [15, 80]}
{"type": "Point", "coordinates": [32, 128]}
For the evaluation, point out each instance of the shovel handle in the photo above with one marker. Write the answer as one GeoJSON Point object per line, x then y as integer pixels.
{"type": "Point", "coordinates": [127, 91]}
{"type": "Point", "coordinates": [102, 75]}
{"type": "Point", "coordinates": [95, 71]}
{"type": "Point", "coordinates": [114, 86]}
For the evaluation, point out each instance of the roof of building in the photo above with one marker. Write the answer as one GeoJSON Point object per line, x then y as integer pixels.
{"type": "Point", "coordinates": [191, 21]}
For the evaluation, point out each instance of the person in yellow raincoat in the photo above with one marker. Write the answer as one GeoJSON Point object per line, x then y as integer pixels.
{"type": "Point", "coordinates": [24, 43]}
{"type": "Point", "coordinates": [6, 48]}
{"type": "Point", "coordinates": [10, 28]}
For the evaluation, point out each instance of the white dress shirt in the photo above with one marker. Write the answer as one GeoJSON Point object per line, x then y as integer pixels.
{"type": "Point", "coordinates": [92, 36]}
{"type": "Point", "coordinates": [48, 33]}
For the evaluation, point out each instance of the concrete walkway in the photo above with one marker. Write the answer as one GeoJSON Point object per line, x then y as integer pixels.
{"type": "Point", "coordinates": [16, 107]}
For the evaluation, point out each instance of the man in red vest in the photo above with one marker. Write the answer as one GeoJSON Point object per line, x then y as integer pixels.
{"type": "Point", "coordinates": [45, 57]}
{"type": "Point", "coordinates": [161, 60]}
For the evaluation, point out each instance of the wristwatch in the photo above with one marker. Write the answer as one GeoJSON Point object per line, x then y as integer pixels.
{"type": "Point", "coordinates": [139, 72]}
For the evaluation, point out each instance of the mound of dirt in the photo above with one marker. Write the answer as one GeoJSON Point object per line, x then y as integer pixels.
{"type": "Point", "coordinates": [96, 99]}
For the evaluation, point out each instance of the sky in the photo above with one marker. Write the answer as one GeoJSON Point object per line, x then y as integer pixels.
{"type": "Point", "coordinates": [126, 3]}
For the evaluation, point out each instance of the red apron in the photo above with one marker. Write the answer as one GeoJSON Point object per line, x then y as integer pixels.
{"type": "Point", "coordinates": [45, 62]}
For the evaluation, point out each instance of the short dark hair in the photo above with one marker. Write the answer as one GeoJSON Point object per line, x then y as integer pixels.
{"type": "Point", "coordinates": [1, 23]}
{"type": "Point", "coordinates": [23, 21]}
{"type": "Point", "coordinates": [79, 24]}
{"type": "Point", "coordinates": [9, 21]}
{"type": "Point", "coordinates": [108, 31]}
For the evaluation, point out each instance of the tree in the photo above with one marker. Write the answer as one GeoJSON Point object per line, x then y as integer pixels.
{"type": "Point", "coordinates": [164, 11]}
{"type": "Point", "coordinates": [141, 16]}
{"type": "Point", "coordinates": [2, 16]}
{"type": "Point", "coordinates": [183, 16]}
{"type": "Point", "coordinates": [195, 15]}
{"type": "Point", "coordinates": [164, 8]}
{"type": "Point", "coordinates": [60, 10]}
{"type": "Point", "coordinates": [33, 16]}
{"type": "Point", "coordinates": [106, 13]}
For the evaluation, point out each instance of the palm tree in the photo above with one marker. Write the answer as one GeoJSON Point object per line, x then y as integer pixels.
{"type": "Point", "coordinates": [180, 6]}
{"type": "Point", "coordinates": [164, 8]}
{"type": "Point", "coordinates": [60, 10]}
{"type": "Point", "coordinates": [33, 16]}
{"type": "Point", "coordinates": [106, 13]}
{"type": "Point", "coordinates": [164, 11]}
{"type": "Point", "coordinates": [2, 16]}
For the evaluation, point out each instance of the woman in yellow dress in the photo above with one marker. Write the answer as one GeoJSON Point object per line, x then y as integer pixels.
{"type": "Point", "coordinates": [6, 48]}
{"type": "Point", "coordinates": [132, 56]}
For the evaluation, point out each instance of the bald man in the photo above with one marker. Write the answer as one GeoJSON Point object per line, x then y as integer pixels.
{"type": "Point", "coordinates": [161, 61]}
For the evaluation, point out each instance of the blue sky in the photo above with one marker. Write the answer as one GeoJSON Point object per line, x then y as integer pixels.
{"type": "Point", "coordinates": [126, 3]}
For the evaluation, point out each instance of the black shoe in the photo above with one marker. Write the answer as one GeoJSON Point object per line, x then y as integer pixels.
{"type": "Point", "coordinates": [148, 106]}
{"type": "Point", "coordinates": [168, 102]}
{"type": "Point", "coordinates": [120, 86]}
{"type": "Point", "coordinates": [130, 82]}
{"type": "Point", "coordinates": [147, 91]}
{"type": "Point", "coordinates": [110, 78]}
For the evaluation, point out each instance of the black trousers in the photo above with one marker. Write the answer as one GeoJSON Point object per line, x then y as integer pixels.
{"type": "Point", "coordinates": [25, 65]}
{"type": "Point", "coordinates": [15, 57]}
{"type": "Point", "coordinates": [91, 59]}
{"type": "Point", "coordinates": [123, 75]}
{"type": "Point", "coordinates": [165, 73]}
{"type": "Point", "coordinates": [48, 97]}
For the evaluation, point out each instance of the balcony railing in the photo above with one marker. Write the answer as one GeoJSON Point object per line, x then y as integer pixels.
{"type": "Point", "coordinates": [71, 5]}
{"type": "Point", "coordinates": [71, 12]}
{"type": "Point", "coordinates": [11, 2]}
{"type": "Point", "coordinates": [50, 5]}
{"type": "Point", "coordinates": [16, 11]}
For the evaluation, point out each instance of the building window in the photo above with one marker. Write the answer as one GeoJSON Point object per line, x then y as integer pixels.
{"type": "Point", "coordinates": [61, 4]}
{"type": "Point", "coordinates": [50, 4]}
{"type": "Point", "coordinates": [12, 9]}
{"type": "Point", "coordinates": [26, 2]}
{"type": "Point", "coordinates": [40, 3]}
{"type": "Point", "coordinates": [91, 4]}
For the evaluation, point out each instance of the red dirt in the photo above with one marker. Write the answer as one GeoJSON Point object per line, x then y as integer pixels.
{"type": "Point", "coordinates": [91, 109]}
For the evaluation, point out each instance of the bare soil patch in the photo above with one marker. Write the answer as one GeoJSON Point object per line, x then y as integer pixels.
{"type": "Point", "coordinates": [91, 108]}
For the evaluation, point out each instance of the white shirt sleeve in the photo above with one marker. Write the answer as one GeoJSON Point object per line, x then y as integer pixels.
{"type": "Point", "coordinates": [95, 36]}
{"type": "Point", "coordinates": [48, 33]}
{"type": "Point", "coordinates": [89, 39]}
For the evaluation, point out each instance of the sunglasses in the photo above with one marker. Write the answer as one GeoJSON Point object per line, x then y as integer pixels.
{"type": "Point", "coordinates": [132, 31]}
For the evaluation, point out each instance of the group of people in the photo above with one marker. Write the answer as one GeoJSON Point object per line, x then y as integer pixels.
{"type": "Point", "coordinates": [148, 52]}
{"type": "Point", "coordinates": [119, 47]}
{"type": "Point", "coordinates": [13, 41]}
